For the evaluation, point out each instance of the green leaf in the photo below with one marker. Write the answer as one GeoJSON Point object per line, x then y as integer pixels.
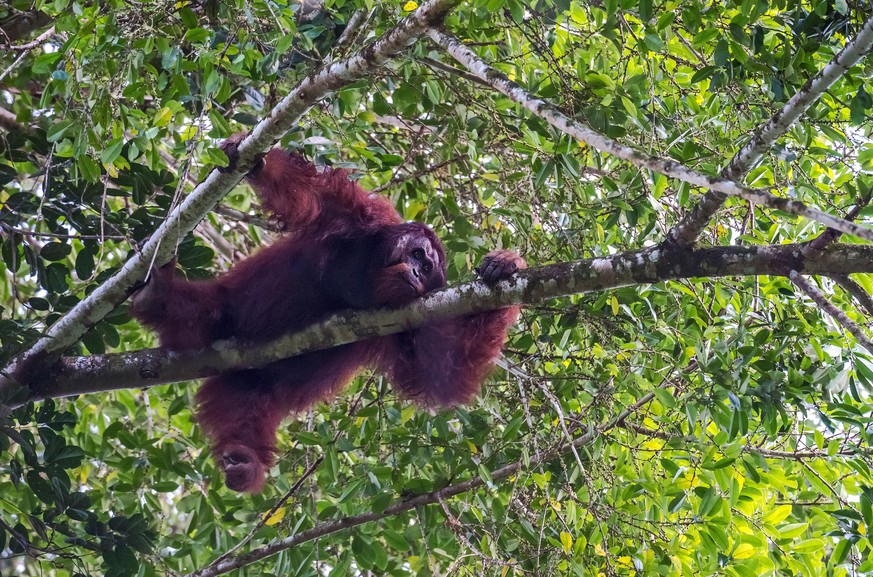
{"type": "Point", "coordinates": [284, 43]}
{"type": "Point", "coordinates": [665, 397]}
{"type": "Point", "coordinates": [705, 37]}
{"type": "Point", "coordinates": [809, 546]}
{"type": "Point", "coordinates": [59, 130]}
{"type": "Point", "coordinates": [721, 53]}
{"type": "Point", "coordinates": [197, 35]}
{"type": "Point", "coordinates": [646, 10]}
{"type": "Point", "coordinates": [792, 530]}
{"type": "Point", "coordinates": [865, 158]}
{"type": "Point", "coordinates": [188, 17]}
{"type": "Point", "coordinates": [867, 508]}
{"type": "Point", "coordinates": [516, 8]}
{"type": "Point", "coordinates": [44, 63]}
{"type": "Point", "coordinates": [841, 551]}
{"type": "Point", "coordinates": [89, 169]}
{"type": "Point", "coordinates": [112, 151]}
{"type": "Point", "coordinates": [381, 502]}
{"type": "Point", "coordinates": [677, 502]}
{"type": "Point", "coordinates": [217, 157]}
{"type": "Point", "coordinates": [7, 174]}
{"type": "Point", "coordinates": [55, 251]}
{"type": "Point", "coordinates": [163, 116]}
{"type": "Point", "coordinates": [859, 105]}
{"type": "Point", "coordinates": [720, 464]}
{"type": "Point", "coordinates": [389, 160]}
{"type": "Point", "coordinates": [120, 562]}
{"type": "Point", "coordinates": [67, 457]}
{"type": "Point", "coordinates": [702, 74]}
{"type": "Point", "coordinates": [56, 278]}
{"type": "Point", "coordinates": [40, 487]}
{"type": "Point", "coordinates": [396, 541]}
{"type": "Point", "coordinates": [85, 263]}
{"type": "Point", "coordinates": [38, 304]}
{"type": "Point", "coordinates": [365, 554]}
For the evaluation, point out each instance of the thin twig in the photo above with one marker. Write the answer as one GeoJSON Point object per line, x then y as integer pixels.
{"type": "Point", "coordinates": [13, 65]}
{"type": "Point", "coordinates": [32, 44]}
{"type": "Point", "coordinates": [830, 236]}
{"type": "Point", "coordinates": [460, 531]}
{"type": "Point", "coordinates": [221, 209]}
{"type": "Point", "coordinates": [404, 124]}
{"type": "Point", "coordinates": [455, 71]}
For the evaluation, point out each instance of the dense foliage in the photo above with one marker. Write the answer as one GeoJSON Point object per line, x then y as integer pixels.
{"type": "Point", "coordinates": [723, 425]}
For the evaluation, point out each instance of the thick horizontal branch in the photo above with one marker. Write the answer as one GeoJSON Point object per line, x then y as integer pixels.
{"type": "Point", "coordinates": [160, 247]}
{"type": "Point", "coordinates": [77, 375]}
{"type": "Point", "coordinates": [687, 231]}
{"type": "Point", "coordinates": [668, 167]}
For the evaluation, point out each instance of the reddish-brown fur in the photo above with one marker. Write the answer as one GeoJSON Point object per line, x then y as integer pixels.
{"type": "Point", "coordinates": [341, 253]}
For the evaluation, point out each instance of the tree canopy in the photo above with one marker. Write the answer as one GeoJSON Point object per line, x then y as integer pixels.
{"type": "Point", "coordinates": [688, 391]}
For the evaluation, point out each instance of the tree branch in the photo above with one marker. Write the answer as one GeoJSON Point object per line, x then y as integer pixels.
{"type": "Point", "coordinates": [830, 235]}
{"type": "Point", "coordinates": [668, 167]}
{"type": "Point", "coordinates": [454, 71]}
{"type": "Point", "coordinates": [857, 291]}
{"type": "Point", "coordinates": [33, 43]}
{"type": "Point", "coordinates": [354, 27]}
{"type": "Point", "coordinates": [147, 367]}
{"type": "Point", "coordinates": [159, 248]}
{"type": "Point", "coordinates": [687, 231]}
{"type": "Point", "coordinates": [830, 308]}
